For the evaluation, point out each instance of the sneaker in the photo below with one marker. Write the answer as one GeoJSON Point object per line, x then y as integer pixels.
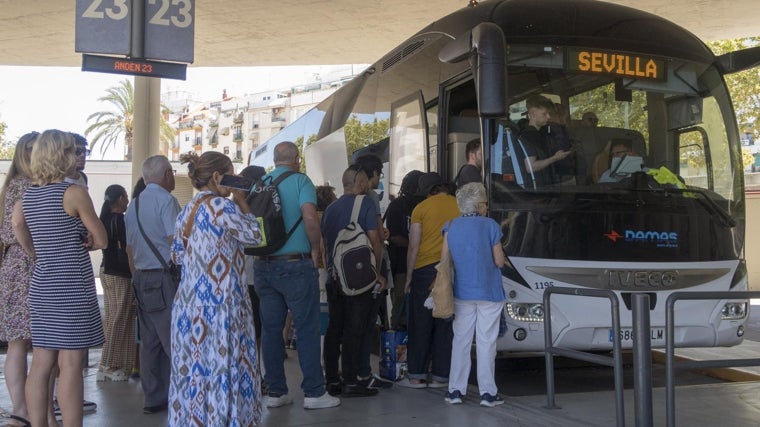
{"type": "Point", "coordinates": [375, 382]}
{"type": "Point", "coordinates": [357, 390]}
{"type": "Point", "coordinates": [324, 401]}
{"type": "Point", "coordinates": [490, 401]}
{"type": "Point", "coordinates": [277, 401]}
{"type": "Point", "coordinates": [334, 389]}
{"type": "Point", "coordinates": [453, 397]}
{"type": "Point", "coordinates": [88, 407]}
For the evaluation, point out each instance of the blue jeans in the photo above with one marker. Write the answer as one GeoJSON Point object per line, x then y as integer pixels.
{"type": "Point", "coordinates": [294, 285]}
{"type": "Point", "coordinates": [429, 338]}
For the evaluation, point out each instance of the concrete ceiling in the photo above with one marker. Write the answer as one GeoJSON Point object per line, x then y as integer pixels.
{"type": "Point", "coordinates": [302, 32]}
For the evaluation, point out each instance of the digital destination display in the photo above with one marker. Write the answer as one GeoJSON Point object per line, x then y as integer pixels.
{"type": "Point", "coordinates": [617, 63]}
{"type": "Point", "coordinates": [133, 67]}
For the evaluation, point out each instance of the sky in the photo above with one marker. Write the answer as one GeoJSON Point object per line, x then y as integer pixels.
{"type": "Point", "coordinates": [39, 98]}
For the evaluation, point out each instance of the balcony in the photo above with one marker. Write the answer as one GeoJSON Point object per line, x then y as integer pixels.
{"type": "Point", "coordinates": [237, 137]}
{"type": "Point", "coordinates": [238, 118]}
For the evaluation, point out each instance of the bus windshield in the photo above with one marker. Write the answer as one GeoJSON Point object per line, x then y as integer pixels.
{"type": "Point", "coordinates": [652, 174]}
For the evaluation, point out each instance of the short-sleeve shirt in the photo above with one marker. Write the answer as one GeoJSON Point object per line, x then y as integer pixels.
{"type": "Point", "coordinates": [397, 219]}
{"type": "Point", "coordinates": [338, 215]}
{"type": "Point", "coordinates": [295, 191]}
{"type": "Point", "coordinates": [535, 145]}
{"type": "Point", "coordinates": [471, 240]}
{"type": "Point", "coordinates": [158, 213]}
{"type": "Point", "coordinates": [432, 213]}
{"type": "Point", "coordinates": [468, 173]}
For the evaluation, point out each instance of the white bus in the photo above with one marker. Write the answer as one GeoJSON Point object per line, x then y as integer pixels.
{"type": "Point", "coordinates": [649, 82]}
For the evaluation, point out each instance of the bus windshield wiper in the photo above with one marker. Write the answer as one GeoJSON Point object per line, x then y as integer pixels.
{"type": "Point", "coordinates": [725, 218]}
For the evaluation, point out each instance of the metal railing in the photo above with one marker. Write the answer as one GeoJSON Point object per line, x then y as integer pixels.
{"type": "Point", "coordinates": [616, 361]}
{"type": "Point", "coordinates": [704, 364]}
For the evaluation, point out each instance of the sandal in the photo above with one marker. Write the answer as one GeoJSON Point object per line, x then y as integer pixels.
{"type": "Point", "coordinates": [406, 382]}
{"type": "Point", "coordinates": [112, 375]}
{"type": "Point", "coordinates": [23, 421]}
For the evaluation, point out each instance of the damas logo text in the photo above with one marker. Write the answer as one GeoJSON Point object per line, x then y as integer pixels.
{"type": "Point", "coordinates": [662, 239]}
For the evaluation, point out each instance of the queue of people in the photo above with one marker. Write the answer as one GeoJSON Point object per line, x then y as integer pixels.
{"type": "Point", "coordinates": [201, 355]}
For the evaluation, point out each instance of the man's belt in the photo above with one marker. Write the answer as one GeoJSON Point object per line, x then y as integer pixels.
{"type": "Point", "coordinates": [286, 257]}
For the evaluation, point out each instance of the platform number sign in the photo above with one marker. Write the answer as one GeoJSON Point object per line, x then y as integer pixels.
{"type": "Point", "coordinates": [105, 26]}
{"type": "Point", "coordinates": [169, 30]}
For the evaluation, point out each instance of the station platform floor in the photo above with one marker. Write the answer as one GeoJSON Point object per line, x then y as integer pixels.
{"type": "Point", "coordinates": [724, 404]}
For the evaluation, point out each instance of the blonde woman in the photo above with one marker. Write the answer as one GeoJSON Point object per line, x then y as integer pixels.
{"type": "Point", "coordinates": [15, 273]}
{"type": "Point", "coordinates": [57, 224]}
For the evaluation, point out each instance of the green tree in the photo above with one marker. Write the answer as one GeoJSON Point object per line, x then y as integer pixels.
{"type": "Point", "coordinates": [7, 148]}
{"type": "Point", "coordinates": [361, 134]}
{"type": "Point", "coordinates": [743, 86]}
{"type": "Point", "coordinates": [108, 127]}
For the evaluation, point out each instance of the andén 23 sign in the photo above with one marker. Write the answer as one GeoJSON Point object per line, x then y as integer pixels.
{"type": "Point", "coordinates": [619, 63]}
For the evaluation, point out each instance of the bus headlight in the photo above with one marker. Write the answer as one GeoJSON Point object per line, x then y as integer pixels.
{"type": "Point", "coordinates": [733, 311]}
{"type": "Point", "coordinates": [526, 312]}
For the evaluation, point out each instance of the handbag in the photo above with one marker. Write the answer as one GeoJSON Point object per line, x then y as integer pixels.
{"type": "Point", "coordinates": [442, 289]}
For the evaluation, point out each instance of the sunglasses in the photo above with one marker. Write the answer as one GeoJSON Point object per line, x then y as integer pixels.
{"type": "Point", "coordinates": [80, 151]}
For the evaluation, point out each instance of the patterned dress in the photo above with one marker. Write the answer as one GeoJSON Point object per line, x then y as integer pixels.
{"type": "Point", "coordinates": [15, 272]}
{"type": "Point", "coordinates": [215, 378]}
{"type": "Point", "coordinates": [62, 298]}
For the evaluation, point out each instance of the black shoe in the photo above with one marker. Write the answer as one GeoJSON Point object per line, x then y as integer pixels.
{"type": "Point", "coordinates": [376, 382]}
{"type": "Point", "coordinates": [154, 409]}
{"type": "Point", "coordinates": [357, 390]}
{"type": "Point", "coordinates": [334, 389]}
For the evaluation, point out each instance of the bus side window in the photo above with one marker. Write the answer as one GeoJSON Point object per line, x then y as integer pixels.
{"type": "Point", "coordinates": [692, 158]}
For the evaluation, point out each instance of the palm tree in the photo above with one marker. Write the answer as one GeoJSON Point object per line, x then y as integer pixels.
{"type": "Point", "coordinates": [108, 127]}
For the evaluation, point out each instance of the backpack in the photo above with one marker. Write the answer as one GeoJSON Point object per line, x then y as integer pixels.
{"type": "Point", "coordinates": [353, 260]}
{"type": "Point", "coordinates": [265, 203]}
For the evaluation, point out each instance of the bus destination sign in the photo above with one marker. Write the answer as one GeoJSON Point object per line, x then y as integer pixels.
{"type": "Point", "coordinates": [133, 67]}
{"type": "Point", "coordinates": [617, 63]}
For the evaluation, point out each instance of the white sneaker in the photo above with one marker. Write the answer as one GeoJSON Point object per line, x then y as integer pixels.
{"type": "Point", "coordinates": [276, 402]}
{"type": "Point", "coordinates": [324, 401]}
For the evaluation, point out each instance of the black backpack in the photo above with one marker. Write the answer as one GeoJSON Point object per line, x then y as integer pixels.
{"type": "Point", "coordinates": [265, 203]}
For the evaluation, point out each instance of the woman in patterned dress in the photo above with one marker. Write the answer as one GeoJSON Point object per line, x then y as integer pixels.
{"type": "Point", "coordinates": [215, 378]}
{"type": "Point", "coordinates": [57, 224]}
{"type": "Point", "coordinates": [15, 273]}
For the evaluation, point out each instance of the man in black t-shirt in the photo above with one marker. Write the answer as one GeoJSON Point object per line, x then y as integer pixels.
{"type": "Point", "coordinates": [397, 219]}
{"type": "Point", "coordinates": [538, 161]}
{"type": "Point", "coordinates": [470, 171]}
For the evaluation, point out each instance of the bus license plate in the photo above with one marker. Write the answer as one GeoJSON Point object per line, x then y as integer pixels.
{"type": "Point", "coordinates": [626, 334]}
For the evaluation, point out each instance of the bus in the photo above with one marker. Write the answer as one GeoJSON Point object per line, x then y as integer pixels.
{"type": "Point", "coordinates": [678, 224]}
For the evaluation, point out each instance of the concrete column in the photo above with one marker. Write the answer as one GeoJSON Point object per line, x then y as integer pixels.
{"type": "Point", "coordinates": [147, 122]}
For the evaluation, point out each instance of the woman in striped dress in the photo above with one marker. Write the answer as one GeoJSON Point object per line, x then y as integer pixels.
{"type": "Point", "coordinates": [57, 224]}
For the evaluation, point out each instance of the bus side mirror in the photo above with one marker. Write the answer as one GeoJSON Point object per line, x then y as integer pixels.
{"type": "Point", "coordinates": [740, 60]}
{"type": "Point", "coordinates": [485, 47]}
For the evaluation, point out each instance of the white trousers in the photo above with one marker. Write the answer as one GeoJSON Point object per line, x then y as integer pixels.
{"type": "Point", "coordinates": [482, 319]}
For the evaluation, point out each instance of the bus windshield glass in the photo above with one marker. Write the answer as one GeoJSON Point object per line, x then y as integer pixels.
{"type": "Point", "coordinates": [631, 159]}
